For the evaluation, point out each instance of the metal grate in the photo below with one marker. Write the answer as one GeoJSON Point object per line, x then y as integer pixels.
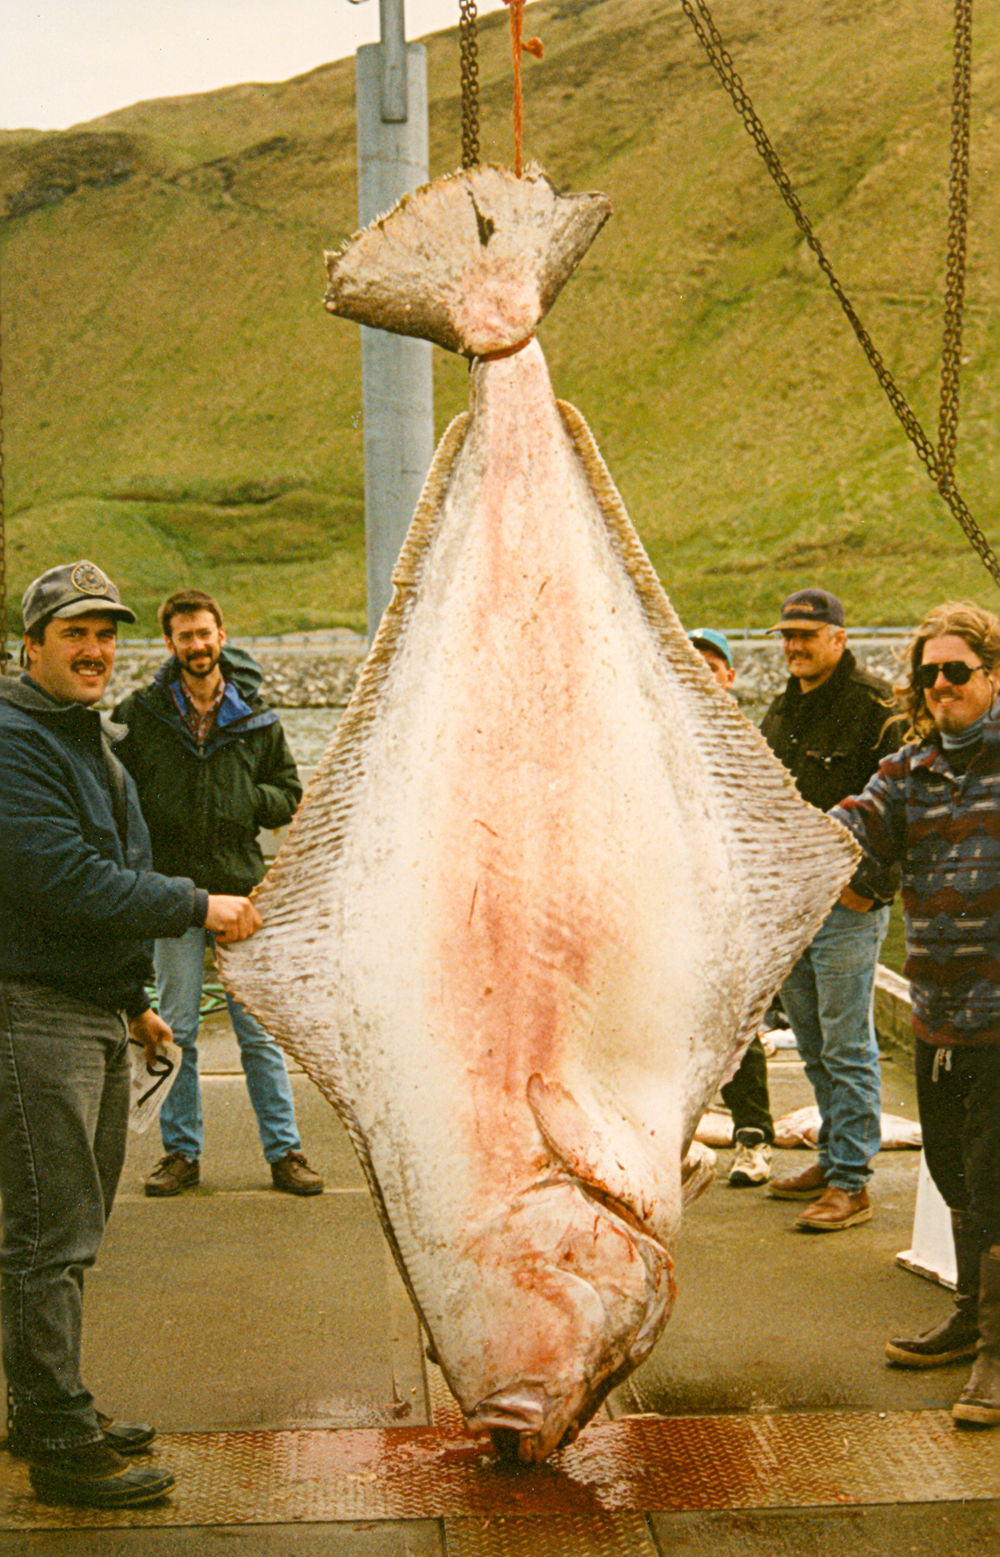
{"type": "Point", "coordinates": [635, 1465]}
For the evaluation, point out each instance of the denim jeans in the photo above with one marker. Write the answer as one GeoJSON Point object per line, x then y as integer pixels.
{"type": "Point", "coordinates": [828, 998]}
{"type": "Point", "coordinates": [64, 1099]}
{"type": "Point", "coordinates": [180, 967]}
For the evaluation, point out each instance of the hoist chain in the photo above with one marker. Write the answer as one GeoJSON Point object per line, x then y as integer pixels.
{"type": "Point", "coordinates": [939, 465]}
{"type": "Point", "coordinates": [958, 211]}
{"type": "Point", "coordinates": [469, 52]}
{"type": "Point", "coordinates": [3, 523]}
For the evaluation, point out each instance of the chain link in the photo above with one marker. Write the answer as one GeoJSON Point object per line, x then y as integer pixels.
{"type": "Point", "coordinates": [469, 51]}
{"type": "Point", "coordinates": [939, 464]}
{"type": "Point", "coordinates": [958, 212]}
{"type": "Point", "coordinates": [3, 523]}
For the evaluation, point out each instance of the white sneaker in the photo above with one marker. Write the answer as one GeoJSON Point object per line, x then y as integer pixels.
{"type": "Point", "coordinates": [751, 1159]}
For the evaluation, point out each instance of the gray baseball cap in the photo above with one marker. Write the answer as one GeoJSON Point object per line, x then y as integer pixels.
{"type": "Point", "coordinates": [71, 590]}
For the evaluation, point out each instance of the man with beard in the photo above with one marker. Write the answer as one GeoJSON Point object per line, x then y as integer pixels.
{"type": "Point", "coordinates": [932, 809]}
{"type": "Point", "coordinates": [212, 768]}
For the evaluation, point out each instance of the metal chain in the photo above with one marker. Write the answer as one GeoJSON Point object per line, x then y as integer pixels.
{"type": "Point", "coordinates": [937, 466]}
{"type": "Point", "coordinates": [3, 523]}
{"type": "Point", "coordinates": [469, 51]}
{"type": "Point", "coordinates": [958, 213]}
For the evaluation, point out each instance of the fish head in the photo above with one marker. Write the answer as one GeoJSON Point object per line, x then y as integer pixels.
{"type": "Point", "coordinates": [572, 1296]}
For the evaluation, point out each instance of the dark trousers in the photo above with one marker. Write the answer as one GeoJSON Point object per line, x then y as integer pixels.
{"type": "Point", "coordinates": [746, 1096]}
{"type": "Point", "coordinates": [958, 1094]}
{"type": "Point", "coordinates": [64, 1099]}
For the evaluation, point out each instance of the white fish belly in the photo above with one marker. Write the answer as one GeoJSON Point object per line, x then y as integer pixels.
{"type": "Point", "coordinates": [520, 860]}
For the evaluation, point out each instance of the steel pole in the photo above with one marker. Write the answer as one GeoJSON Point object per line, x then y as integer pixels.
{"type": "Point", "coordinates": [396, 374]}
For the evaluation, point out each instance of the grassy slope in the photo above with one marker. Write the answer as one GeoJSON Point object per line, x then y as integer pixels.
{"type": "Point", "coordinates": [178, 406]}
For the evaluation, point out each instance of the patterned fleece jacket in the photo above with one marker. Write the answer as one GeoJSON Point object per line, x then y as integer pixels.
{"type": "Point", "coordinates": [943, 828]}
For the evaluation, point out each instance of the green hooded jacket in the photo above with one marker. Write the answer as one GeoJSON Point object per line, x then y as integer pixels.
{"type": "Point", "coordinates": [205, 808]}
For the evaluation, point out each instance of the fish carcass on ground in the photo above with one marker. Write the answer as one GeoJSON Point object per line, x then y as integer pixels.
{"type": "Point", "coordinates": [546, 877]}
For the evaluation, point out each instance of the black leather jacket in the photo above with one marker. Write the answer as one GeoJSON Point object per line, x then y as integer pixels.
{"type": "Point", "coordinates": [832, 739]}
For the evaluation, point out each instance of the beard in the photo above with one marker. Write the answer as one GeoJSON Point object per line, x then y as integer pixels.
{"type": "Point", "coordinates": [200, 664]}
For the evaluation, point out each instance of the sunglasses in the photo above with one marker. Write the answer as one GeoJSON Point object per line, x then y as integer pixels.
{"type": "Point", "coordinates": [955, 672]}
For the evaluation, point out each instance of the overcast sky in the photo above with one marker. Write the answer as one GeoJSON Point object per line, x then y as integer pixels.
{"type": "Point", "coordinates": [66, 61]}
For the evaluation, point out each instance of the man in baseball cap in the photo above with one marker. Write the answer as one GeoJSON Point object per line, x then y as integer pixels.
{"type": "Point", "coordinates": [79, 908]}
{"type": "Point", "coordinates": [831, 727]}
{"type": "Point", "coordinates": [745, 1094]}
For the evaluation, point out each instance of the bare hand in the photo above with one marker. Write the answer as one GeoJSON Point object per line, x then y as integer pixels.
{"type": "Point", "coordinates": [851, 899]}
{"type": "Point", "coordinates": [231, 918]}
{"type": "Point", "coordinates": [149, 1029]}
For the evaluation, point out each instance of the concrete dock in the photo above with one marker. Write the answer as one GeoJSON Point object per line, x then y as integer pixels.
{"type": "Point", "coordinates": [270, 1340]}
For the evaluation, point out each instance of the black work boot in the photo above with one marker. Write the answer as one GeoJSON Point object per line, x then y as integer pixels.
{"type": "Point", "coordinates": [94, 1476]}
{"type": "Point", "coordinates": [979, 1403]}
{"type": "Point", "coordinates": [956, 1336]}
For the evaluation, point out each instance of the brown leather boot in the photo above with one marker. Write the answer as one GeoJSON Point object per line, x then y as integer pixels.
{"type": "Point", "coordinates": [834, 1210]}
{"type": "Point", "coordinates": [807, 1185]}
{"type": "Point", "coordinates": [979, 1403]}
{"type": "Point", "coordinates": [292, 1174]}
{"type": "Point", "coordinates": [956, 1336]}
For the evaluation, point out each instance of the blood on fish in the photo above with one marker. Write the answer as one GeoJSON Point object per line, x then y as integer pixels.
{"type": "Point", "coordinates": [521, 1020]}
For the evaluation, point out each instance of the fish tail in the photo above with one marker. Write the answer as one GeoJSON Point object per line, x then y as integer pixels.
{"type": "Point", "coordinates": [472, 261]}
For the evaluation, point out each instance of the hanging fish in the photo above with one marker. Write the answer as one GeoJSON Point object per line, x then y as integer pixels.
{"type": "Point", "coordinates": [546, 877]}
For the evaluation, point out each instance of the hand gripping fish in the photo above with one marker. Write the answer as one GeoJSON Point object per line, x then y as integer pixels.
{"type": "Point", "coordinates": [546, 877]}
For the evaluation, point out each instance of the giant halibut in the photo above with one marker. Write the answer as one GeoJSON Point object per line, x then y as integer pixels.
{"type": "Point", "coordinates": [546, 877]}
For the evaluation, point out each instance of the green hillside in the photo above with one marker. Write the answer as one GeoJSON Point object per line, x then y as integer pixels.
{"type": "Point", "coordinates": [178, 405]}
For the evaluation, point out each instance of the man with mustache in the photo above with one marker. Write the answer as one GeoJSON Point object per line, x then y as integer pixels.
{"type": "Point", "coordinates": [212, 767]}
{"type": "Point", "coordinates": [79, 907]}
{"type": "Point", "coordinates": [830, 727]}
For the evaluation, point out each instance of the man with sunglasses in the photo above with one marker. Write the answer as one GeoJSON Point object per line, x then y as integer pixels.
{"type": "Point", "coordinates": [830, 727]}
{"type": "Point", "coordinates": [933, 808]}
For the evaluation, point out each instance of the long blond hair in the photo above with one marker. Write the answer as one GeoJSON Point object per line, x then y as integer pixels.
{"type": "Point", "coordinates": [955, 618]}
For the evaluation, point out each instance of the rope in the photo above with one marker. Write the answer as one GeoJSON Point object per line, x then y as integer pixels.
{"type": "Point", "coordinates": [939, 464]}
{"type": "Point", "coordinates": [519, 46]}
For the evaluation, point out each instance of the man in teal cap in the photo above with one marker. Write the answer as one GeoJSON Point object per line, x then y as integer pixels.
{"type": "Point", "coordinates": [746, 1095]}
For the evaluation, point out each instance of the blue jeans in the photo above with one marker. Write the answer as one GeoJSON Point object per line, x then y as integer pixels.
{"type": "Point", "coordinates": [64, 1100]}
{"type": "Point", "coordinates": [180, 965]}
{"type": "Point", "coordinates": [828, 998]}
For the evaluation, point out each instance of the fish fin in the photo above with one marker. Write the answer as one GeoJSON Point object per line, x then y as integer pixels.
{"type": "Point", "coordinates": [472, 261]}
{"type": "Point", "coordinates": [792, 891]}
{"type": "Point", "coordinates": [697, 1171]}
{"type": "Point", "coordinates": [612, 1162]}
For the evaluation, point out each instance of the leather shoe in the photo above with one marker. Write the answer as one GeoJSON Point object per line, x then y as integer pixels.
{"type": "Point", "coordinates": [808, 1185]}
{"type": "Point", "coordinates": [834, 1210]}
{"type": "Point", "coordinates": [293, 1174]}
{"type": "Point", "coordinates": [173, 1173]}
{"type": "Point", "coordinates": [94, 1476]}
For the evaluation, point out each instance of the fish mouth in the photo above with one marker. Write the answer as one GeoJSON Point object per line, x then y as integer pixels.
{"type": "Point", "coordinates": [525, 1423]}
